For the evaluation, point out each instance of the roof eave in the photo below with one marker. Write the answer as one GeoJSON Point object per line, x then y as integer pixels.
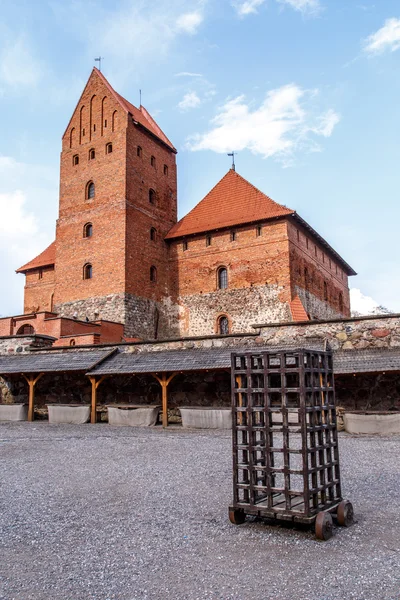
{"type": "Point", "coordinates": [26, 268]}
{"type": "Point", "coordinates": [349, 270]}
{"type": "Point", "coordinates": [226, 227]}
{"type": "Point", "coordinates": [153, 135]}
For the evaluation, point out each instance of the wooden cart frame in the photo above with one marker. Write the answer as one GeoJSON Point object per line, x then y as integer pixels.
{"type": "Point", "coordinates": [285, 441]}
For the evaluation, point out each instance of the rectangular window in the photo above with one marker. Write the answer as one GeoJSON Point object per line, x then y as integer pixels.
{"type": "Point", "coordinates": [258, 230]}
{"type": "Point", "coordinates": [208, 240]}
{"type": "Point", "coordinates": [184, 245]}
{"type": "Point", "coordinates": [307, 242]}
{"type": "Point", "coordinates": [233, 236]}
{"type": "Point", "coordinates": [40, 274]}
{"type": "Point", "coordinates": [298, 235]}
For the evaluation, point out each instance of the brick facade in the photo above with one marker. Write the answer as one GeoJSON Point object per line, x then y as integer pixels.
{"type": "Point", "coordinates": [159, 284]}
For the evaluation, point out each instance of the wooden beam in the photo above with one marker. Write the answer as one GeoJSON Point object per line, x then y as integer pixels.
{"type": "Point", "coordinates": [164, 381]}
{"type": "Point", "coordinates": [32, 381]}
{"type": "Point", "coordinates": [95, 385]}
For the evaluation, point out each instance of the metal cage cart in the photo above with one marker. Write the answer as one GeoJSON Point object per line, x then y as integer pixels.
{"type": "Point", "coordinates": [285, 442]}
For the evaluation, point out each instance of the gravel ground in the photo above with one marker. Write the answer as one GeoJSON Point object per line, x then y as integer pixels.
{"type": "Point", "coordinates": [117, 513]}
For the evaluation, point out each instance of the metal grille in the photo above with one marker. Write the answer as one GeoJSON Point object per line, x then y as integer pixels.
{"type": "Point", "coordinates": [285, 447]}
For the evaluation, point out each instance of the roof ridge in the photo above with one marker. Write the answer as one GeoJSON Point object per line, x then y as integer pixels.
{"type": "Point", "coordinates": [258, 206]}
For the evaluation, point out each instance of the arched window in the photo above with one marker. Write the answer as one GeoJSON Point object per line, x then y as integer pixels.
{"type": "Point", "coordinates": [88, 230]}
{"type": "Point", "coordinates": [90, 190]}
{"type": "Point", "coordinates": [109, 148]}
{"type": "Point", "coordinates": [114, 120]}
{"type": "Point", "coordinates": [325, 291]}
{"type": "Point", "coordinates": [139, 151]}
{"type": "Point", "coordinates": [223, 325]}
{"type": "Point", "coordinates": [153, 161]}
{"type": "Point", "coordinates": [222, 278]}
{"type": "Point", "coordinates": [72, 343]}
{"type": "Point", "coordinates": [152, 196]}
{"type": "Point", "coordinates": [87, 271]}
{"type": "Point", "coordinates": [92, 154]}
{"type": "Point", "coordinates": [75, 160]}
{"type": "Point", "coordinates": [165, 170]}
{"type": "Point", "coordinates": [72, 137]}
{"type": "Point", "coordinates": [153, 234]}
{"type": "Point", "coordinates": [153, 274]}
{"type": "Point", "coordinates": [340, 302]}
{"type": "Point", "coordinates": [26, 330]}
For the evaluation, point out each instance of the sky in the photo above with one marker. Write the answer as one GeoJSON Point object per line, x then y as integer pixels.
{"type": "Point", "coordinates": [305, 91]}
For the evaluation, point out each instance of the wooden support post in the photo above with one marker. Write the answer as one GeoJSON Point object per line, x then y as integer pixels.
{"type": "Point", "coordinates": [95, 385]}
{"type": "Point", "coordinates": [239, 384]}
{"type": "Point", "coordinates": [164, 381]}
{"type": "Point", "coordinates": [32, 381]}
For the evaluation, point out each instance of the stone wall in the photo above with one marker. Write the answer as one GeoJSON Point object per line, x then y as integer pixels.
{"type": "Point", "coordinates": [314, 306]}
{"type": "Point", "coordinates": [200, 312]}
{"type": "Point", "coordinates": [346, 334]}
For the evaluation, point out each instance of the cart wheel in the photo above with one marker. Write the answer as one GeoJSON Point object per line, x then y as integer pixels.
{"type": "Point", "coordinates": [345, 513]}
{"type": "Point", "coordinates": [323, 526]}
{"type": "Point", "coordinates": [237, 516]}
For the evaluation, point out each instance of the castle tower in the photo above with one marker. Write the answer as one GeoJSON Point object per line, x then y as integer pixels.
{"type": "Point", "coordinates": [118, 200]}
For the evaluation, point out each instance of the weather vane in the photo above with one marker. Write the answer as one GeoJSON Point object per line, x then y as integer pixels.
{"type": "Point", "coordinates": [99, 59]}
{"type": "Point", "coordinates": [233, 160]}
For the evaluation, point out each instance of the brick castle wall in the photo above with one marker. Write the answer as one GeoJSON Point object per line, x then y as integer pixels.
{"type": "Point", "coordinates": [316, 276]}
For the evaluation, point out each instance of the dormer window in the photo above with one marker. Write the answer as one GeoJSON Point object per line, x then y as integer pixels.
{"type": "Point", "coordinates": [92, 154]}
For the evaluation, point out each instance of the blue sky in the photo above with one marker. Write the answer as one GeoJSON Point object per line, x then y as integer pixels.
{"type": "Point", "coordinates": [306, 91]}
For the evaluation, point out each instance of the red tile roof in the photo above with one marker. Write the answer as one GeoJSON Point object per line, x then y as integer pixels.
{"type": "Point", "coordinates": [233, 201]}
{"type": "Point", "coordinates": [140, 115]}
{"type": "Point", "coordinates": [297, 310]}
{"type": "Point", "coordinates": [44, 259]}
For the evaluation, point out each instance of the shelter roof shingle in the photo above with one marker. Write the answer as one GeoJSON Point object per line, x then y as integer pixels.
{"type": "Point", "coordinates": [44, 259]}
{"type": "Point", "coordinates": [232, 201]}
{"type": "Point", "coordinates": [53, 362]}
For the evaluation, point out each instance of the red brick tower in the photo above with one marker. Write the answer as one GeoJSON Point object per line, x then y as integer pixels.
{"type": "Point", "coordinates": [118, 200]}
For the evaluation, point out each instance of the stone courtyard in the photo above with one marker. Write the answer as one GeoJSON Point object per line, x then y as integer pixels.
{"type": "Point", "coordinates": [101, 513]}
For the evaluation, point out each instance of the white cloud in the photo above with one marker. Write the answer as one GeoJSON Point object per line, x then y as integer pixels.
{"type": "Point", "coordinates": [133, 33]}
{"type": "Point", "coordinates": [310, 7]}
{"type": "Point", "coordinates": [386, 38]}
{"type": "Point", "coordinates": [189, 22]}
{"type": "Point", "coordinates": [247, 7]}
{"type": "Point", "coordinates": [284, 123]}
{"type": "Point", "coordinates": [28, 208]}
{"type": "Point", "coordinates": [189, 100]}
{"type": "Point", "coordinates": [188, 74]}
{"type": "Point", "coordinates": [365, 305]}
{"type": "Point", "coordinates": [18, 66]}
